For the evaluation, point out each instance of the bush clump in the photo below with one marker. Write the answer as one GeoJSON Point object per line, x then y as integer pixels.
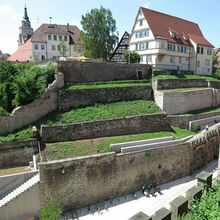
{"type": "Point", "coordinates": [21, 84]}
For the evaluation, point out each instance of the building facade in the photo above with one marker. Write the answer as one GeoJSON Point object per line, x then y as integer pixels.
{"type": "Point", "coordinates": [168, 42]}
{"type": "Point", "coordinates": [48, 42]}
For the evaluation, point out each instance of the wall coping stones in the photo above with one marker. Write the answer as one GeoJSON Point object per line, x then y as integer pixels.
{"type": "Point", "coordinates": [204, 179]}
{"type": "Point", "coordinates": [179, 206]}
{"type": "Point", "coordinates": [162, 214]}
{"type": "Point", "coordinates": [140, 216]}
{"type": "Point", "coordinates": [155, 145]}
{"type": "Point", "coordinates": [117, 147]}
{"type": "Point", "coordinates": [194, 192]}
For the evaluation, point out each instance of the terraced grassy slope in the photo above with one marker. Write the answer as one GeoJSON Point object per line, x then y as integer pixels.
{"type": "Point", "coordinates": [18, 135]}
{"type": "Point", "coordinates": [181, 76]}
{"type": "Point", "coordinates": [110, 84]}
{"type": "Point", "coordinates": [102, 111]}
{"type": "Point", "coordinates": [63, 150]}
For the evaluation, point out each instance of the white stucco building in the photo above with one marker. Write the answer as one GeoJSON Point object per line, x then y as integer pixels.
{"type": "Point", "coordinates": [168, 42]}
{"type": "Point", "coordinates": [43, 44]}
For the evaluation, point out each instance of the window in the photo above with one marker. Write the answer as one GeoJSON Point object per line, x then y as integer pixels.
{"type": "Point", "coordinates": [171, 47]}
{"type": "Point", "coordinates": [53, 47]}
{"type": "Point", "coordinates": [141, 22]}
{"type": "Point", "coordinates": [42, 46]}
{"type": "Point", "coordinates": [36, 57]}
{"type": "Point", "coordinates": [42, 57]}
{"type": "Point", "coordinates": [149, 58]}
{"type": "Point", "coordinates": [202, 50]}
{"type": "Point", "coordinates": [207, 62]}
{"type": "Point", "coordinates": [198, 49]}
{"type": "Point", "coordinates": [198, 63]}
{"type": "Point", "coordinates": [36, 46]}
{"type": "Point", "coordinates": [162, 44]}
{"type": "Point", "coordinates": [136, 45]}
{"type": "Point", "coordinates": [160, 59]}
{"type": "Point", "coordinates": [179, 49]}
{"type": "Point", "coordinates": [142, 58]}
{"type": "Point", "coordinates": [157, 44]}
{"type": "Point", "coordinates": [146, 33]}
{"type": "Point", "coordinates": [60, 38]}
{"type": "Point", "coordinates": [49, 37]}
{"type": "Point", "coordinates": [140, 12]}
{"type": "Point", "coordinates": [54, 58]}
{"type": "Point", "coordinates": [180, 60]}
{"type": "Point", "coordinates": [184, 49]}
{"type": "Point", "coordinates": [141, 46]}
{"type": "Point", "coordinates": [147, 45]}
{"type": "Point", "coordinates": [54, 37]}
{"type": "Point", "coordinates": [65, 38]}
{"type": "Point", "coordinates": [209, 51]}
{"type": "Point", "coordinates": [172, 59]}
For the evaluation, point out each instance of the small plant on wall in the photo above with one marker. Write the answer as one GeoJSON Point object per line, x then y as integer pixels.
{"type": "Point", "coordinates": [51, 211]}
{"type": "Point", "coordinates": [148, 153]}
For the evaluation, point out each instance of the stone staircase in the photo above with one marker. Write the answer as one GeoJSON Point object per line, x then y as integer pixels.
{"type": "Point", "coordinates": [19, 190]}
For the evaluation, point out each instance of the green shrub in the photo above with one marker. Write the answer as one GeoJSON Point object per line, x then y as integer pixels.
{"type": "Point", "coordinates": [3, 112]}
{"type": "Point", "coordinates": [131, 57]}
{"type": "Point", "coordinates": [51, 211]}
{"type": "Point", "coordinates": [21, 84]}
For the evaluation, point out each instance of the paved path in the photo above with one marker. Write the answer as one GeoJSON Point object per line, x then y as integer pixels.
{"type": "Point", "coordinates": [125, 207]}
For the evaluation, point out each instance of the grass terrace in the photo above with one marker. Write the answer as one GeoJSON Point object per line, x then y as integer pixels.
{"type": "Point", "coordinates": [64, 150]}
{"type": "Point", "coordinates": [109, 84]}
{"type": "Point", "coordinates": [203, 111]}
{"type": "Point", "coordinates": [14, 170]}
{"type": "Point", "coordinates": [182, 76]}
{"type": "Point", "coordinates": [18, 135]}
{"type": "Point", "coordinates": [184, 89]}
{"type": "Point", "coordinates": [102, 111]}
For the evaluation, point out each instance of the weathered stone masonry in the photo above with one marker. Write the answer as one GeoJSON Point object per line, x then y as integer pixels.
{"type": "Point", "coordinates": [87, 180]}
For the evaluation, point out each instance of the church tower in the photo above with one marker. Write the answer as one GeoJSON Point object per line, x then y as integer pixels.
{"type": "Point", "coordinates": [25, 31]}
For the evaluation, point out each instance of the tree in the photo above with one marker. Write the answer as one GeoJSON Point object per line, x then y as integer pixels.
{"type": "Point", "coordinates": [215, 62]}
{"type": "Point", "coordinates": [131, 57]}
{"type": "Point", "coordinates": [99, 33]}
{"type": "Point", "coordinates": [61, 47]}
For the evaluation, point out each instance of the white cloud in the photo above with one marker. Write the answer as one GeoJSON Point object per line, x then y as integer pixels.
{"type": "Point", "coordinates": [10, 21]}
{"type": "Point", "coordinates": [7, 10]}
{"type": "Point", "coordinates": [146, 4]}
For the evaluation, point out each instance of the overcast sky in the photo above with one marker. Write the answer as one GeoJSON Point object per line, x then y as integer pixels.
{"type": "Point", "coordinates": [203, 12]}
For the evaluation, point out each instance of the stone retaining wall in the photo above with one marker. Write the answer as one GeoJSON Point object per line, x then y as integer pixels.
{"type": "Point", "coordinates": [17, 153]}
{"type": "Point", "coordinates": [160, 84]}
{"type": "Point", "coordinates": [84, 97]}
{"type": "Point", "coordinates": [27, 114]}
{"type": "Point", "coordinates": [87, 180]}
{"type": "Point", "coordinates": [103, 128]}
{"type": "Point", "coordinates": [95, 72]}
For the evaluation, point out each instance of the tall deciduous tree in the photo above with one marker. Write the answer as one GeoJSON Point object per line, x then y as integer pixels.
{"type": "Point", "coordinates": [99, 33]}
{"type": "Point", "coordinates": [215, 62]}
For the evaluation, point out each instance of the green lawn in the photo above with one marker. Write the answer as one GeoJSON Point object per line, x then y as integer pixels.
{"type": "Point", "coordinates": [181, 76]}
{"type": "Point", "coordinates": [63, 150]}
{"type": "Point", "coordinates": [102, 111]}
{"type": "Point", "coordinates": [14, 170]}
{"type": "Point", "coordinates": [18, 135]}
{"type": "Point", "coordinates": [110, 84]}
{"type": "Point", "coordinates": [203, 111]}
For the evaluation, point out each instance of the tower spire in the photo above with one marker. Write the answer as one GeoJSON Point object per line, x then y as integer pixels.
{"type": "Point", "coordinates": [25, 13]}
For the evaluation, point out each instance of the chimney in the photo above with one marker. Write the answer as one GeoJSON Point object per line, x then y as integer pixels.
{"type": "Point", "coordinates": [68, 27]}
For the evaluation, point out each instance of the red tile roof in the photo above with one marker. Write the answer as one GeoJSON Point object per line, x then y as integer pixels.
{"type": "Point", "coordinates": [160, 24]}
{"type": "Point", "coordinates": [23, 54]}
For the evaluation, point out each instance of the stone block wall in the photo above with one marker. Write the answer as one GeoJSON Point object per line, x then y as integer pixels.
{"type": "Point", "coordinates": [103, 128]}
{"type": "Point", "coordinates": [160, 84]}
{"type": "Point", "coordinates": [17, 153]}
{"type": "Point", "coordinates": [84, 97]}
{"type": "Point", "coordinates": [95, 72]}
{"type": "Point", "coordinates": [27, 114]}
{"type": "Point", "coordinates": [178, 102]}
{"type": "Point", "coordinates": [87, 180]}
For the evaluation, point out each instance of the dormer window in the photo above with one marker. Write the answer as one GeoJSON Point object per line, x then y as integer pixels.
{"type": "Point", "coordinates": [172, 34]}
{"type": "Point", "coordinates": [185, 37]}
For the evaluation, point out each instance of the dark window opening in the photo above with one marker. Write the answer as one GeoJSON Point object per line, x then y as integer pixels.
{"type": "Point", "coordinates": [140, 74]}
